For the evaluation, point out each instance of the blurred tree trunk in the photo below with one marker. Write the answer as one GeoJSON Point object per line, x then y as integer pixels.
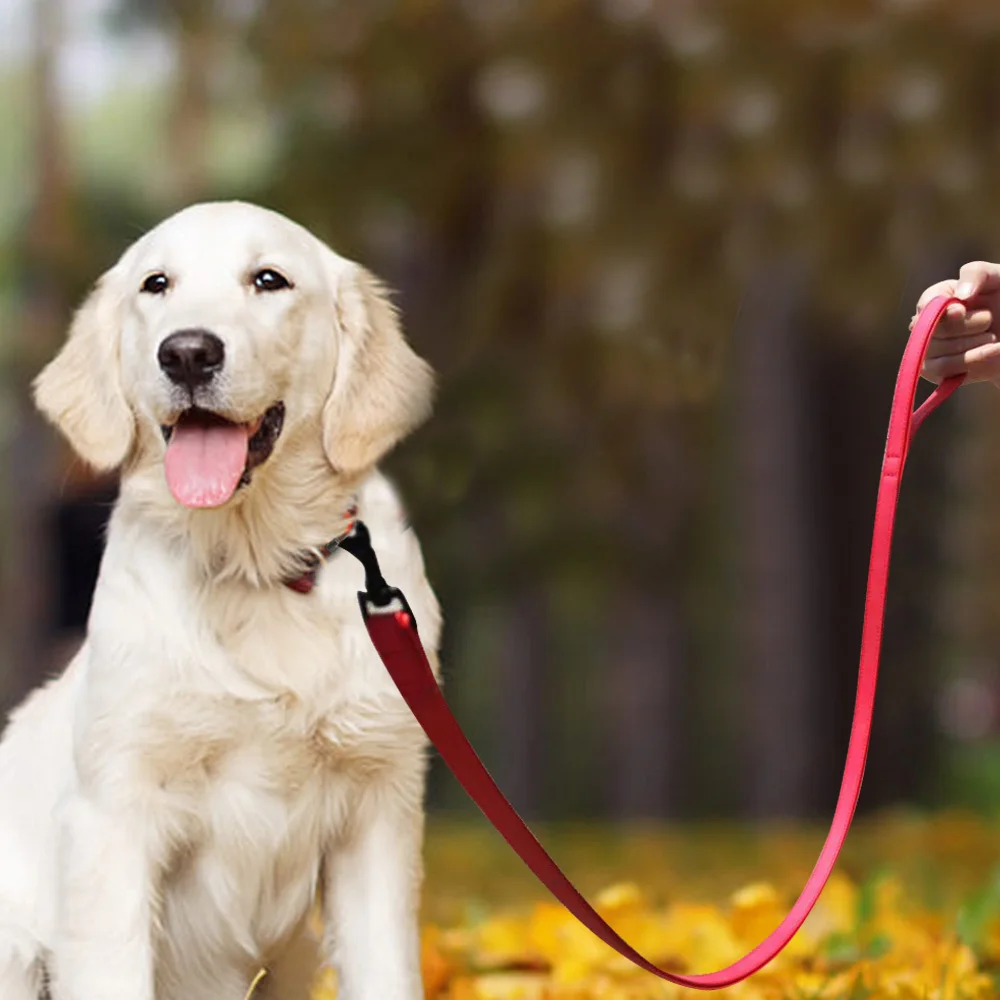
{"type": "Point", "coordinates": [974, 539]}
{"type": "Point", "coordinates": [778, 617]}
{"type": "Point", "coordinates": [641, 673]}
{"type": "Point", "coordinates": [643, 665]}
{"type": "Point", "coordinates": [190, 116]}
{"type": "Point", "coordinates": [31, 456]}
{"type": "Point", "coordinates": [523, 702]}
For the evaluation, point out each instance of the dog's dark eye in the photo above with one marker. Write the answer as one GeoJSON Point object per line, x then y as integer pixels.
{"type": "Point", "coordinates": [269, 280]}
{"type": "Point", "coordinates": [156, 284]}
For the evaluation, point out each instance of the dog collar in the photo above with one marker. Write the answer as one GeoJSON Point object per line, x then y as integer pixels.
{"type": "Point", "coordinates": [304, 583]}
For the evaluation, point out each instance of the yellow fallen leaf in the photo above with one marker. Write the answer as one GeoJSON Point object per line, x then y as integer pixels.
{"type": "Point", "coordinates": [326, 985]}
{"type": "Point", "coordinates": [435, 969]}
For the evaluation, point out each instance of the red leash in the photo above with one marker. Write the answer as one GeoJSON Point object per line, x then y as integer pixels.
{"type": "Point", "coordinates": [393, 631]}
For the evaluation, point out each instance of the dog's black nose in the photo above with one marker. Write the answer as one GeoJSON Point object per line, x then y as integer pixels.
{"type": "Point", "coordinates": [191, 357]}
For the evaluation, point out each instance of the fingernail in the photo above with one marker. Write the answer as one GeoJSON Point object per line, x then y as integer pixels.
{"type": "Point", "coordinates": [965, 290]}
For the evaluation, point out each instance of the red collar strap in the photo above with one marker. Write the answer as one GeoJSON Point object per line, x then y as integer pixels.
{"type": "Point", "coordinates": [393, 631]}
{"type": "Point", "coordinates": [304, 583]}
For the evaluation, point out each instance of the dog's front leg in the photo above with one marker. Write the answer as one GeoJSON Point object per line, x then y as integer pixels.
{"type": "Point", "coordinates": [372, 894]}
{"type": "Point", "coordinates": [103, 948]}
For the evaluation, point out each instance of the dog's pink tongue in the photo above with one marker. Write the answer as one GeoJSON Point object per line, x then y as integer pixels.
{"type": "Point", "coordinates": [204, 463]}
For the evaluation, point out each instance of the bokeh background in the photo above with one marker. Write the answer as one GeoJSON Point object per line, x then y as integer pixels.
{"type": "Point", "coordinates": [663, 255]}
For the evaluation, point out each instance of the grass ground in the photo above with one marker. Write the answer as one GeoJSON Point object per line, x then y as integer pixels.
{"type": "Point", "coordinates": [913, 911]}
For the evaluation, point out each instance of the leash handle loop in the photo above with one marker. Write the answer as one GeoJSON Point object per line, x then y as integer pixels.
{"type": "Point", "coordinates": [395, 638]}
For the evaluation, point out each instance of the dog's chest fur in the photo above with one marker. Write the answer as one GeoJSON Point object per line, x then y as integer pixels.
{"type": "Point", "coordinates": [258, 721]}
{"type": "Point", "coordinates": [258, 793]}
{"type": "Point", "coordinates": [257, 803]}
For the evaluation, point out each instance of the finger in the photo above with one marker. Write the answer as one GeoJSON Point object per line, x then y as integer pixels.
{"type": "Point", "coordinates": [978, 277]}
{"type": "Point", "coordinates": [946, 287]}
{"type": "Point", "coordinates": [959, 322]}
{"type": "Point", "coordinates": [979, 321]}
{"type": "Point", "coordinates": [979, 357]}
{"type": "Point", "coordinates": [941, 368]}
{"type": "Point", "coordinates": [980, 363]}
{"type": "Point", "coordinates": [958, 346]}
{"type": "Point", "coordinates": [952, 323]}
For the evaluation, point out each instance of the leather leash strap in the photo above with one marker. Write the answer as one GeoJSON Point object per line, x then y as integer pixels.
{"type": "Point", "coordinates": [393, 631]}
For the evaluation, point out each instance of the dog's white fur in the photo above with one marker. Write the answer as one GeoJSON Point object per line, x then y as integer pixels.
{"type": "Point", "coordinates": [222, 748]}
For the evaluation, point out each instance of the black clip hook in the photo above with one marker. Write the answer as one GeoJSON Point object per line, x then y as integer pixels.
{"type": "Point", "coordinates": [377, 593]}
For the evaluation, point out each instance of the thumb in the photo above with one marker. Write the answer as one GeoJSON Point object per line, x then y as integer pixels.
{"type": "Point", "coordinates": [979, 277]}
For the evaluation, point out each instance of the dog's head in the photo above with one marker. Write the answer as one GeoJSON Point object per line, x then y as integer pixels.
{"type": "Point", "coordinates": [219, 334]}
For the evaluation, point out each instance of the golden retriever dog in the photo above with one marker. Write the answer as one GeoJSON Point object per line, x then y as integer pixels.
{"type": "Point", "coordinates": [224, 749]}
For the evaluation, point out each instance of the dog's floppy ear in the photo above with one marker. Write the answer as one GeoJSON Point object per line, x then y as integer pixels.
{"type": "Point", "coordinates": [382, 389]}
{"type": "Point", "coordinates": [80, 390]}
